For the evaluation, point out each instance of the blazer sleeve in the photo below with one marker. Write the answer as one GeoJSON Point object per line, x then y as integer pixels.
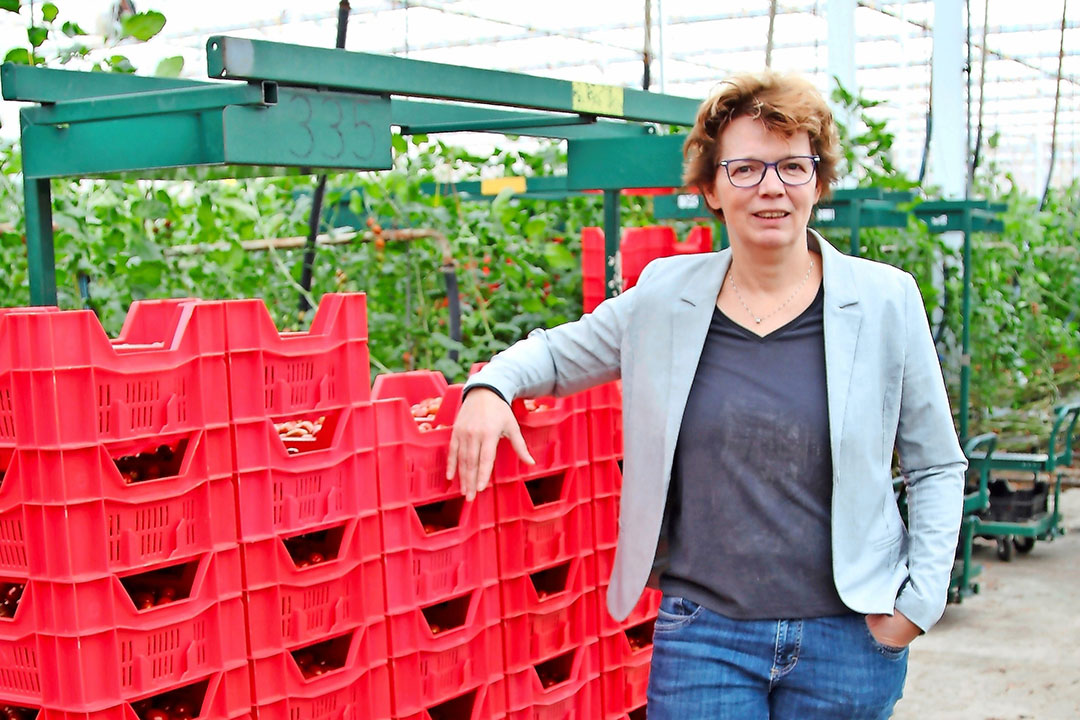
{"type": "Point", "coordinates": [565, 359]}
{"type": "Point", "coordinates": [933, 466]}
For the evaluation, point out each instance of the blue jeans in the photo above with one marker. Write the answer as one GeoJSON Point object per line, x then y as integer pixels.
{"type": "Point", "coordinates": [709, 667]}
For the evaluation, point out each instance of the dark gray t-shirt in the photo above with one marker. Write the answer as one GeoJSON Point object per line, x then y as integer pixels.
{"type": "Point", "coordinates": [751, 484]}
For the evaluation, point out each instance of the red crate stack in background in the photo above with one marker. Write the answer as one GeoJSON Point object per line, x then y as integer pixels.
{"type": "Point", "coordinates": [625, 647]}
{"type": "Point", "coordinates": [637, 248]}
{"type": "Point", "coordinates": [308, 512]}
{"type": "Point", "coordinates": [440, 559]}
{"type": "Point", "coordinates": [118, 553]}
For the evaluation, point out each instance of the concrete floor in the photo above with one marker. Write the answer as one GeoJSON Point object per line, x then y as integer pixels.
{"type": "Point", "coordinates": [1013, 651]}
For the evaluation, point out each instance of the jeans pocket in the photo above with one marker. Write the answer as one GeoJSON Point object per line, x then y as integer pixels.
{"type": "Point", "coordinates": [675, 612]}
{"type": "Point", "coordinates": [890, 651]}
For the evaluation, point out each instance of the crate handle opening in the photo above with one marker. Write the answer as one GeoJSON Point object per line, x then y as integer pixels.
{"type": "Point", "coordinates": [447, 615]}
{"type": "Point", "coordinates": [640, 636]}
{"type": "Point", "coordinates": [183, 703]}
{"type": "Point", "coordinates": [556, 670]}
{"type": "Point", "coordinates": [550, 581]}
{"type": "Point", "coordinates": [163, 460]}
{"type": "Point", "coordinates": [316, 547]}
{"type": "Point", "coordinates": [161, 586]}
{"type": "Point", "coordinates": [544, 490]}
{"type": "Point", "coordinates": [460, 708]}
{"type": "Point", "coordinates": [11, 592]}
{"type": "Point", "coordinates": [322, 657]}
{"type": "Point", "coordinates": [307, 432]}
{"type": "Point", "coordinates": [441, 515]}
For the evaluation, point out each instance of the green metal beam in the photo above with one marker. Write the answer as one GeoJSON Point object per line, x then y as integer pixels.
{"type": "Point", "coordinates": [309, 128]}
{"type": "Point", "coordinates": [246, 59]}
{"type": "Point", "coordinates": [687, 206]}
{"type": "Point", "coordinates": [46, 85]}
{"type": "Point", "coordinates": [40, 257]}
{"type": "Point", "coordinates": [154, 102]}
{"type": "Point", "coordinates": [416, 117]}
{"type": "Point", "coordinates": [616, 163]}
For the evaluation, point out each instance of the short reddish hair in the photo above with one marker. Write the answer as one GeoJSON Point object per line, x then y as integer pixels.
{"type": "Point", "coordinates": [786, 104]}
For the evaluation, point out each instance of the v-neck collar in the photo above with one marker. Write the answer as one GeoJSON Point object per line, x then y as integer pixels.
{"type": "Point", "coordinates": [818, 301]}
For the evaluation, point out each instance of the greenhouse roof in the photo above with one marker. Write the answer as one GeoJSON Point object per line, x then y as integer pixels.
{"type": "Point", "coordinates": [693, 45]}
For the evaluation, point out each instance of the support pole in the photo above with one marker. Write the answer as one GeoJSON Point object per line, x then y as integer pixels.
{"type": "Point", "coordinates": [840, 15]}
{"type": "Point", "coordinates": [612, 237]}
{"type": "Point", "coordinates": [965, 340]}
{"type": "Point", "coordinates": [948, 142]}
{"type": "Point", "coordinates": [40, 255]}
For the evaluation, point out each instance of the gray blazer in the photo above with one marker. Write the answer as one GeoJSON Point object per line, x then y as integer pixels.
{"type": "Point", "coordinates": [884, 388]}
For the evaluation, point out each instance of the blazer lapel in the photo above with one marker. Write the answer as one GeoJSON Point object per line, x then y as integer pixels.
{"type": "Point", "coordinates": [842, 320]}
{"type": "Point", "coordinates": [690, 325]}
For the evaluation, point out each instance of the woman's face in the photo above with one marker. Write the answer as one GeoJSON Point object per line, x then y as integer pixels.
{"type": "Point", "coordinates": [770, 214]}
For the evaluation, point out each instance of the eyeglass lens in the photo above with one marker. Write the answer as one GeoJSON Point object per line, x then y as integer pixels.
{"type": "Point", "coordinates": [792, 171]}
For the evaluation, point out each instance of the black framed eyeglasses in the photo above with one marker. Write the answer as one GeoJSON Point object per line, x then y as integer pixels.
{"type": "Point", "coordinates": [794, 170]}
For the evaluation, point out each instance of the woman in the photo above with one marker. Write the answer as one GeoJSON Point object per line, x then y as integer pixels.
{"type": "Point", "coordinates": [765, 389]}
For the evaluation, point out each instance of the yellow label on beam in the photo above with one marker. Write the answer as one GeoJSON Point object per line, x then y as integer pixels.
{"type": "Point", "coordinates": [494, 186]}
{"type": "Point", "coordinates": [598, 99]}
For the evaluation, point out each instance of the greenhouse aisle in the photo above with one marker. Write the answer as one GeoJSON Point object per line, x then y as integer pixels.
{"type": "Point", "coordinates": [1013, 650]}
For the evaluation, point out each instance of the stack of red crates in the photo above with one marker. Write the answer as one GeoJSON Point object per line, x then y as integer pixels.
{"type": "Point", "coordinates": [121, 581]}
{"type": "Point", "coordinates": [547, 561]}
{"type": "Point", "coordinates": [308, 512]}
{"type": "Point", "coordinates": [625, 647]}
{"type": "Point", "coordinates": [637, 248]}
{"type": "Point", "coordinates": [440, 560]}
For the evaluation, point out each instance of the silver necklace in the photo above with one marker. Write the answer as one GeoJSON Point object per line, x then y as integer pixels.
{"type": "Point", "coordinates": [782, 305]}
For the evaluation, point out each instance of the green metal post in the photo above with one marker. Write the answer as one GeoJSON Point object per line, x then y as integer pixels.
{"type": "Point", "coordinates": [965, 344]}
{"type": "Point", "coordinates": [612, 236]}
{"type": "Point", "coordinates": [39, 241]}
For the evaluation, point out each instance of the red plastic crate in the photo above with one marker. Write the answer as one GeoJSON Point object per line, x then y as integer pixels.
{"type": "Point", "coordinates": [642, 245]}
{"type": "Point", "coordinates": [20, 677]}
{"type": "Point", "coordinates": [169, 382]}
{"type": "Point", "coordinates": [626, 657]}
{"type": "Point", "coordinates": [412, 464]}
{"type": "Point", "coordinates": [592, 267]}
{"type": "Point", "coordinates": [606, 521]}
{"type": "Point", "coordinates": [98, 523]}
{"type": "Point", "coordinates": [557, 438]}
{"type": "Point", "coordinates": [334, 480]}
{"type": "Point", "coordinates": [423, 567]}
{"type": "Point", "coordinates": [553, 624]}
{"type": "Point", "coordinates": [274, 374]}
{"type": "Point", "coordinates": [99, 649]}
{"type": "Point", "coordinates": [268, 563]}
{"type": "Point", "coordinates": [223, 695]}
{"type": "Point", "coordinates": [321, 602]}
{"type": "Point", "coordinates": [355, 685]}
{"type": "Point", "coordinates": [483, 702]}
{"type": "Point", "coordinates": [527, 545]}
{"type": "Point", "coordinates": [607, 478]}
{"type": "Point", "coordinates": [605, 421]}
{"type": "Point", "coordinates": [447, 665]}
{"type": "Point", "coordinates": [565, 685]}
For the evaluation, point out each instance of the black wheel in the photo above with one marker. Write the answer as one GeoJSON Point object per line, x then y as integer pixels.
{"type": "Point", "coordinates": [1023, 545]}
{"type": "Point", "coordinates": [1004, 549]}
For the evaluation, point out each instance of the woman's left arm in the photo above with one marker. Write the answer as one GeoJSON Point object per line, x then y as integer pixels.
{"type": "Point", "coordinates": [933, 466]}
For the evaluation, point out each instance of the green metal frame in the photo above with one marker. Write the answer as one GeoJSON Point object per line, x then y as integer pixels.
{"type": "Point", "coordinates": [1059, 454]}
{"type": "Point", "coordinates": [322, 109]}
{"type": "Point", "coordinates": [967, 217]}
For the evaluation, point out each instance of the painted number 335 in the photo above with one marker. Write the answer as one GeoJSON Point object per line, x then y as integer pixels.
{"type": "Point", "coordinates": [331, 129]}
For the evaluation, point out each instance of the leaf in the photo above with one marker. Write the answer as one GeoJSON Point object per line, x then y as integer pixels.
{"type": "Point", "coordinates": [49, 12]}
{"type": "Point", "coordinates": [559, 256]}
{"type": "Point", "coordinates": [37, 35]}
{"type": "Point", "coordinates": [170, 67]}
{"type": "Point", "coordinates": [72, 29]}
{"type": "Point", "coordinates": [119, 64]}
{"type": "Point", "coordinates": [399, 143]}
{"type": "Point", "coordinates": [142, 26]}
{"type": "Point", "coordinates": [18, 55]}
{"type": "Point", "coordinates": [10, 5]}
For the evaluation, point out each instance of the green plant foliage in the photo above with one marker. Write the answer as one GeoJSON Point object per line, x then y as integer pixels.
{"type": "Point", "coordinates": [170, 67]}
{"type": "Point", "coordinates": [142, 26]}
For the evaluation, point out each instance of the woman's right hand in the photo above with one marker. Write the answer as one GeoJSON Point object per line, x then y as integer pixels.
{"type": "Point", "coordinates": [483, 420]}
